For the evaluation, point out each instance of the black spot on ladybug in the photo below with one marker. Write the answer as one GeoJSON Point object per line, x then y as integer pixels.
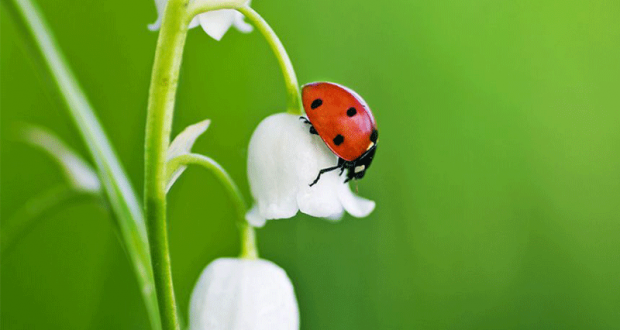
{"type": "Point", "coordinates": [338, 139]}
{"type": "Point", "coordinates": [316, 103]}
{"type": "Point", "coordinates": [351, 112]}
{"type": "Point", "coordinates": [374, 136]}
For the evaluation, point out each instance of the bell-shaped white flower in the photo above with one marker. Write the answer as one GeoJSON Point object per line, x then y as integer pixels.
{"type": "Point", "coordinates": [283, 159]}
{"type": "Point", "coordinates": [215, 23]}
{"type": "Point", "coordinates": [243, 294]}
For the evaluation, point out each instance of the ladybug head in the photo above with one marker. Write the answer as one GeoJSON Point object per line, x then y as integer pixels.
{"type": "Point", "coordinates": [357, 168]}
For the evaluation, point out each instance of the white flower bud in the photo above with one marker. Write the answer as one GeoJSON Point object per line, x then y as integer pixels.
{"type": "Point", "coordinates": [243, 294]}
{"type": "Point", "coordinates": [215, 23]}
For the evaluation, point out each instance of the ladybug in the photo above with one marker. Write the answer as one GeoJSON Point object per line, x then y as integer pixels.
{"type": "Point", "coordinates": [345, 123]}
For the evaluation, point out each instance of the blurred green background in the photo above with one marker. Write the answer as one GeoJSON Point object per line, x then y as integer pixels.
{"type": "Point", "coordinates": [497, 179]}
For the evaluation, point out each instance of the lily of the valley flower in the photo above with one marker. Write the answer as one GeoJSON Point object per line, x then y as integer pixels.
{"type": "Point", "coordinates": [243, 294]}
{"type": "Point", "coordinates": [215, 23]}
{"type": "Point", "coordinates": [283, 159]}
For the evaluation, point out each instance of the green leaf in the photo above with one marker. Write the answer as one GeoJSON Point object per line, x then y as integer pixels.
{"type": "Point", "coordinates": [78, 172]}
{"type": "Point", "coordinates": [118, 191]}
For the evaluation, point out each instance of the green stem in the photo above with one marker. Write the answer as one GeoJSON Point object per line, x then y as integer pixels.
{"type": "Point", "coordinates": [249, 250]}
{"type": "Point", "coordinates": [164, 79]}
{"type": "Point", "coordinates": [290, 78]}
{"type": "Point", "coordinates": [162, 94]}
{"type": "Point", "coordinates": [219, 172]}
{"type": "Point", "coordinates": [293, 100]}
{"type": "Point", "coordinates": [248, 241]}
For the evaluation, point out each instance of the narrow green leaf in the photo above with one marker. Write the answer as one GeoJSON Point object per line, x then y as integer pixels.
{"type": "Point", "coordinates": [130, 219]}
{"type": "Point", "coordinates": [78, 172]}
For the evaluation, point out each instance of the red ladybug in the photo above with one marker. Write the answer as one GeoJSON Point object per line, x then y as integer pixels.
{"type": "Point", "coordinates": [345, 123]}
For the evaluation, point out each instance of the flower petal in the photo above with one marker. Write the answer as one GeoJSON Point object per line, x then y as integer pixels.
{"type": "Point", "coordinates": [183, 144]}
{"type": "Point", "coordinates": [243, 294]}
{"type": "Point", "coordinates": [356, 206]}
{"type": "Point", "coordinates": [194, 22]}
{"type": "Point", "coordinates": [311, 155]}
{"type": "Point", "coordinates": [155, 25]}
{"type": "Point", "coordinates": [321, 200]}
{"type": "Point", "coordinates": [160, 5]}
{"type": "Point", "coordinates": [216, 23]}
{"type": "Point", "coordinates": [254, 218]}
{"type": "Point", "coordinates": [283, 160]}
{"type": "Point", "coordinates": [78, 172]}
{"type": "Point", "coordinates": [240, 24]}
{"type": "Point", "coordinates": [273, 179]}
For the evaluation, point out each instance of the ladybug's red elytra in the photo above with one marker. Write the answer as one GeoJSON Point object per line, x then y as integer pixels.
{"type": "Point", "coordinates": [345, 123]}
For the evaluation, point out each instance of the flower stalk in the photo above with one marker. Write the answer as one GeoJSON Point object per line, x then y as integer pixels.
{"type": "Point", "coordinates": [249, 249]}
{"type": "Point", "coordinates": [215, 168]}
{"type": "Point", "coordinates": [168, 56]}
{"type": "Point", "coordinates": [248, 240]}
{"type": "Point", "coordinates": [293, 99]}
{"type": "Point", "coordinates": [164, 79]}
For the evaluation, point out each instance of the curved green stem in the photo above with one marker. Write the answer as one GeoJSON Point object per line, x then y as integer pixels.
{"type": "Point", "coordinates": [248, 242]}
{"type": "Point", "coordinates": [162, 94]}
{"type": "Point", "coordinates": [219, 172]}
{"type": "Point", "coordinates": [293, 100]}
{"type": "Point", "coordinates": [168, 56]}
{"type": "Point", "coordinates": [290, 78]}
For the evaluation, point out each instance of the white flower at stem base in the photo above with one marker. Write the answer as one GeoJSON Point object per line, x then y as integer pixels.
{"type": "Point", "coordinates": [283, 159]}
{"type": "Point", "coordinates": [243, 294]}
{"type": "Point", "coordinates": [215, 23]}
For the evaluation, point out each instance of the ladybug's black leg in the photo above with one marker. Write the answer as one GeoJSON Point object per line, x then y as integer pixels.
{"type": "Point", "coordinates": [312, 129]}
{"type": "Point", "coordinates": [323, 171]}
{"type": "Point", "coordinates": [342, 164]}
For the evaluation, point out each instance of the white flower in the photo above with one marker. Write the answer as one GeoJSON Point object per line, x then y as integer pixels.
{"type": "Point", "coordinates": [283, 159]}
{"type": "Point", "coordinates": [243, 294]}
{"type": "Point", "coordinates": [215, 23]}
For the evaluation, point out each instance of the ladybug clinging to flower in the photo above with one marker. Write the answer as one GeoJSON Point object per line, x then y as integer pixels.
{"type": "Point", "coordinates": [345, 123]}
